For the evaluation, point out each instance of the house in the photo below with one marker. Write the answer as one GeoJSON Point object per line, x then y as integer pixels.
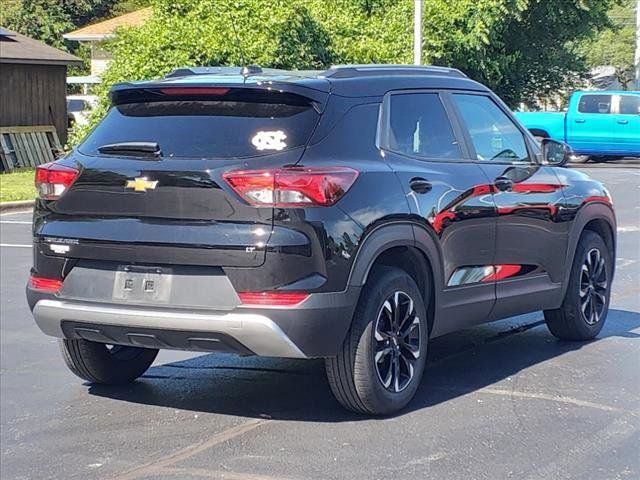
{"type": "Point", "coordinates": [97, 33]}
{"type": "Point", "coordinates": [33, 84]}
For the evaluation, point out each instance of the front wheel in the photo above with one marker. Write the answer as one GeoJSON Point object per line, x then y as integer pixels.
{"type": "Point", "coordinates": [106, 364]}
{"type": "Point", "coordinates": [380, 365]}
{"type": "Point", "coordinates": [586, 303]}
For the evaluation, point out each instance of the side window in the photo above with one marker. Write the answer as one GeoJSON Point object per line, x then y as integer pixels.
{"type": "Point", "coordinates": [595, 104]}
{"type": "Point", "coordinates": [494, 135]}
{"type": "Point", "coordinates": [630, 104]}
{"type": "Point", "coordinates": [418, 125]}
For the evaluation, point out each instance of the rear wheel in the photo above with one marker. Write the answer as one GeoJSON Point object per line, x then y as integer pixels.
{"type": "Point", "coordinates": [584, 309]}
{"type": "Point", "coordinates": [379, 367]}
{"type": "Point", "coordinates": [106, 364]}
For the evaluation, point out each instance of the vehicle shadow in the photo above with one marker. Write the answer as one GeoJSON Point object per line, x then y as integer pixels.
{"type": "Point", "coordinates": [283, 389]}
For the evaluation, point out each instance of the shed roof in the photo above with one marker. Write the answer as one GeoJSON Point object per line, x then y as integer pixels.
{"type": "Point", "coordinates": [17, 48]}
{"type": "Point", "coordinates": [106, 29]}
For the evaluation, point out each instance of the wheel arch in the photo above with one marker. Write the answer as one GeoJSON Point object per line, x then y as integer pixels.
{"type": "Point", "coordinates": [598, 218]}
{"type": "Point", "coordinates": [407, 246]}
{"type": "Point", "coordinates": [539, 132]}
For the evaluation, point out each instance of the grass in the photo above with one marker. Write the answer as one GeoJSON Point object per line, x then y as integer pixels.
{"type": "Point", "coordinates": [17, 186]}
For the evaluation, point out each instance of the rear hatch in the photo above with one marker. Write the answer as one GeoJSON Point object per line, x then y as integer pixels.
{"type": "Point", "coordinates": [151, 174]}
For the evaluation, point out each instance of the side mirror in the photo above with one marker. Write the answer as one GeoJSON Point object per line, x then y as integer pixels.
{"type": "Point", "coordinates": [555, 153]}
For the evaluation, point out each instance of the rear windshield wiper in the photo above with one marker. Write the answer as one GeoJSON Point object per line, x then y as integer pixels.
{"type": "Point", "coordinates": [145, 149]}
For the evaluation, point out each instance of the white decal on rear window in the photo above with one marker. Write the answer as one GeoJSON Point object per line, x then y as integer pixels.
{"type": "Point", "coordinates": [265, 140]}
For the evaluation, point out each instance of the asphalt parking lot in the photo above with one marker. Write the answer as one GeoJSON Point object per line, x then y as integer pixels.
{"type": "Point", "coordinates": [505, 400]}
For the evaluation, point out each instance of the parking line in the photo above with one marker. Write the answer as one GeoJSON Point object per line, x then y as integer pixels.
{"type": "Point", "coordinates": [15, 245]}
{"type": "Point", "coordinates": [219, 474]}
{"type": "Point", "coordinates": [628, 229]}
{"type": "Point", "coordinates": [19, 222]}
{"type": "Point", "coordinates": [18, 212]}
{"type": "Point", "coordinates": [152, 469]}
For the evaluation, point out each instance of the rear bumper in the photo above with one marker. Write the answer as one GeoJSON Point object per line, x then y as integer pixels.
{"type": "Point", "coordinates": [259, 334]}
{"type": "Point", "coordinates": [315, 329]}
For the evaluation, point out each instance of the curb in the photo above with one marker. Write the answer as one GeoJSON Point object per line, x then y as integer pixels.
{"type": "Point", "coordinates": [13, 206]}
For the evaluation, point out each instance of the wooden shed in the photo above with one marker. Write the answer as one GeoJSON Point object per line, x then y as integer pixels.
{"type": "Point", "coordinates": [33, 84]}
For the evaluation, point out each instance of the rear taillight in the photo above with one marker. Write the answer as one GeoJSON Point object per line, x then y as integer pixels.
{"type": "Point", "coordinates": [43, 284]}
{"type": "Point", "coordinates": [53, 179]}
{"type": "Point", "coordinates": [273, 299]}
{"type": "Point", "coordinates": [292, 187]}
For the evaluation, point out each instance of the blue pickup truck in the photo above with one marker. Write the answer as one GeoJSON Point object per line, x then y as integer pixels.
{"type": "Point", "coordinates": [597, 124]}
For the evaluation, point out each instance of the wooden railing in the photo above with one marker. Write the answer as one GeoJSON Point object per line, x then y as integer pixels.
{"type": "Point", "coordinates": [29, 146]}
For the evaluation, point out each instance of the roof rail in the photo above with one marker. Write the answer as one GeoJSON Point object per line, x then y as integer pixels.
{"type": "Point", "coordinates": [349, 71]}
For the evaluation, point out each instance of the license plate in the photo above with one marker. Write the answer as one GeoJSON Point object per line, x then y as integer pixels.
{"type": "Point", "coordinates": [142, 284]}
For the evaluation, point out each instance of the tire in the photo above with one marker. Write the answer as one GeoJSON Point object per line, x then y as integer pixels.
{"type": "Point", "coordinates": [98, 363]}
{"type": "Point", "coordinates": [357, 380]}
{"type": "Point", "coordinates": [575, 319]}
{"type": "Point", "coordinates": [583, 159]}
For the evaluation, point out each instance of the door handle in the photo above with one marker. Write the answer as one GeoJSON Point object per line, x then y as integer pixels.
{"type": "Point", "coordinates": [420, 185]}
{"type": "Point", "coordinates": [580, 120]}
{"type": "Point", "coordinates": [503, 184]}
{"type": "Point", "coordinates": [623, 122]}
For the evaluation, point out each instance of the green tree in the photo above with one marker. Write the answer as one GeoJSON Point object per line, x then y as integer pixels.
{"type": "Point", "coordinates": [615, 46]}
{"type": "Point", "coordinates": [42, 20]}
{"type": "Point", "coordinates": [48, 20]}
{"type": "Point", "coordinates": [272, 33]}
{"type": "Point", "coordinates": [520, 48]}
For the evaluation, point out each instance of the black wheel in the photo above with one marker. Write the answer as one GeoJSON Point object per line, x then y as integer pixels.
{"type": "Point", "coordinates": [106, 364]}
{"type": "Point", "coordinates": [586, 303]}
{"type": "Point", "coordinates": [600, 159]}
{"type": "Point", "coordinates": [379, 367]}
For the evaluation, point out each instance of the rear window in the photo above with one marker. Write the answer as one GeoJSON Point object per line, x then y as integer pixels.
{"type": "Point", "coordinates": [207, 128]}
{"type": "Point", "coordinates": [419, 126]}
{"type": "Point", "coordinates": [630, 104]}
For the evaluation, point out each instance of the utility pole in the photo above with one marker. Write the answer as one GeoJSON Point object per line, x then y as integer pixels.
{"type": "Point", "coordinates": [417, 32]}
{"type": "Point", "coordinates": [637, 59]}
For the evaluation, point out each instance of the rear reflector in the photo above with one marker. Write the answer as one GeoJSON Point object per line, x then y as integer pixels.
{"type": "Point", "coordinates": [502, 271]}
{"type": "Point", "coordinates": [49, 285]}
{"type": "Point", "coordinates": [53, 179]}
{"type": "Point", "coordinates": [292, 187]}
{"type": "Point", "coordinates": [280, 299]}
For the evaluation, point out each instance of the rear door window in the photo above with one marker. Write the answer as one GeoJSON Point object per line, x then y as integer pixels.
{"type": "Point", "coordinates": [208, 128]}
{"type": "Point", "coordinates": [418, 126]}
{"type": "Point", "coordinates": [595, 104]}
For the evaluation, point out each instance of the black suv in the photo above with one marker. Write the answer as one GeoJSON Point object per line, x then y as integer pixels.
{"type": "Point", "coordinates": [351, 214]}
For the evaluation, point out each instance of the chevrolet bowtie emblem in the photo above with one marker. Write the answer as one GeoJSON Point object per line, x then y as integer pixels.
{"type": "Point", "coordinates": [141, 184]}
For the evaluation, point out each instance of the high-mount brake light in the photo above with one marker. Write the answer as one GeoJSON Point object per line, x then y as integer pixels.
{"type": "Point", "coordinates": [195, 90]}
{"type": "Point", "coordinates": [292, 187]}
{"type": "Point", "coordinates": [273, 299]}
{"type": "Point", "coordinates": [53, 179]}
{"type": "Point", "coordinates": [43, 284]}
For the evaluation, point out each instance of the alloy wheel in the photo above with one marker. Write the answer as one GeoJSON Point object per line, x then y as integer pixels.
{"type": "Point", "coordinates": [398, 338]}
{"type": "Point", "coordinates": [593, 287]}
